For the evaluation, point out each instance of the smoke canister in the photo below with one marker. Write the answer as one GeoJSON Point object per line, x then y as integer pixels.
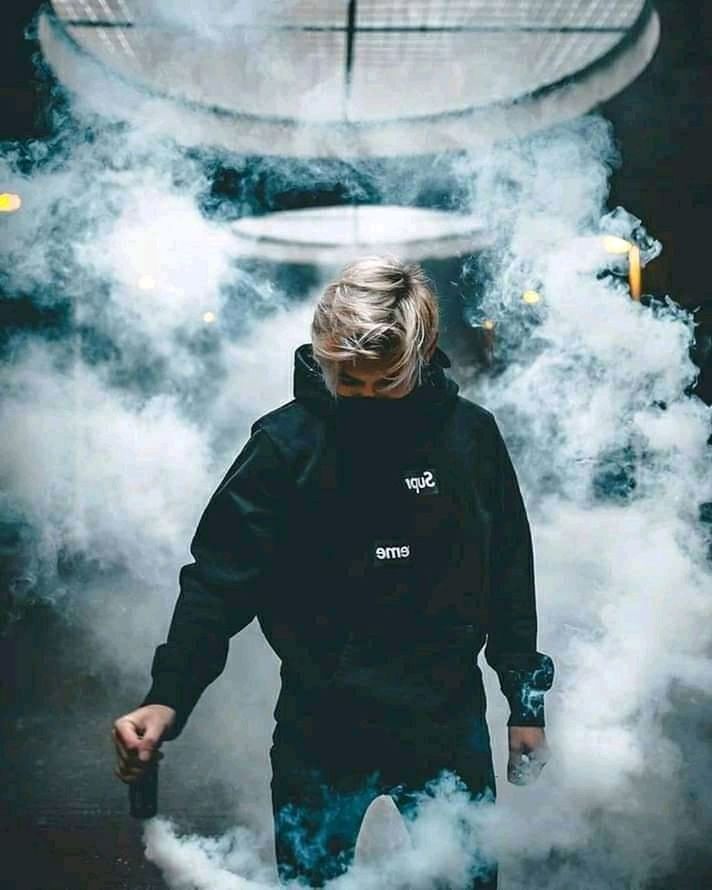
{"type": "Point", "coordinates": [143, 794]}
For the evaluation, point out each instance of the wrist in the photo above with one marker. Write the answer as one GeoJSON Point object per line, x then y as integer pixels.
{"type": "Point", "coordinates": [167, 711]}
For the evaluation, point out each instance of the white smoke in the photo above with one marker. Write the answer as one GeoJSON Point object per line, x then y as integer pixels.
{"type": "Point", "coordinates": [96, 469]}
{"type": "Point", "coordinates": [598, 389]}
{"type": "Point", "coordinates": [624, 586]}
{"type": "Point", "coordinates": [200, 863]}
{"type": "Point", "coordinates": [441, 845]}
{"type": "Point", "coordinates": [116, 438]}
{"type": "Point", "coordinates": [122, 419]}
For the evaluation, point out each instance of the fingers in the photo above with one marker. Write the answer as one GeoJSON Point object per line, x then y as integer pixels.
{"type": "Point", "coordinates": [133, 759]}
{"type": "Point", "coordinates": [121, 748]}
{"type": "Point", "coordinates": [148, 743]}
{"type": "Point", "coordinates": [127, 749]}
{"type": "Point", "coordinates": [126, 734]}
{"type": "Point", "coordinates": [141, 731]}
{"type": "Point", "coordinates": [128, 776]}
{"type": "Point", "coordinates": [525, 767]}
{"type": "Point", "coordinates": [131, 769]}
{"type": "Point", "coordinates": [136, 746]}
{"type": "Point", "coordinates": [129, 773]}
{"type": "Point", "coordinates": [522, 770]}
{"type": "Point", "coordinates": [528, 753]}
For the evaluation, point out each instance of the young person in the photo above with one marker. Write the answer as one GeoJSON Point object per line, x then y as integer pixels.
{"type": "Point", "coordinates": [375, 527]}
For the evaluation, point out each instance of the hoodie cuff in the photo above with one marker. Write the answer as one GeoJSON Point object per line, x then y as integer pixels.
{"type": "Point", "coordinates": [524, 688]}
{"type": "Point", "coordinates": [527, 709]}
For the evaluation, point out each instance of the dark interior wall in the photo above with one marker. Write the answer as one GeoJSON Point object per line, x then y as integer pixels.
{"type": "Point", "coordinates": [663, 122]}
{"type": "Point", "coordinates": [20, 95]}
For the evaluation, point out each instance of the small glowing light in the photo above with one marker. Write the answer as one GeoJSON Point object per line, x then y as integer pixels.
{"type": "Point", "coordinates": [635, 273]}
{"type": "Point", "coordinates": [531, 296]}
{"type": "Point", "coordinates": [488, 325]}
{"type": "Point", "coordinates": [147, 282]}
{"type": "Point", "coordinates": [9, 202]}
{"type": "Point", "coordinates": [614, 244]}
{"type": "Point", "coordinates": [209, 317]}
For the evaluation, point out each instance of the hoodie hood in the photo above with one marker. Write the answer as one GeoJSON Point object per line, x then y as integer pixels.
{"type": "Point", "coordinates": [434, 397]}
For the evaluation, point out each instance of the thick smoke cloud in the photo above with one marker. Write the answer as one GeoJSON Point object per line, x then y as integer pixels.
{"type": "Point", "coordinates": [441, 837]}
{"type": "Point", "coordinates": [613, 457]}
{"type": "Point", "coordinates": [121, 425]}
{"type": "Point", "coordinates": [122, 416]}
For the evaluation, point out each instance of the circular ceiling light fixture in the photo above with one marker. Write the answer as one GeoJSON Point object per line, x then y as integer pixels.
{"type": "Point", "coordinates": [336, 235]}
{"type": "Point", "coordinates": [347, 79]}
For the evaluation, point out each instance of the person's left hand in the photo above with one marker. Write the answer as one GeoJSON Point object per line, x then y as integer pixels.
{"type": "Point", "coordinates": [528, 753]}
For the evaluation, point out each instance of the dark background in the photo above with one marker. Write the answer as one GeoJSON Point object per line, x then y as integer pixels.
{"type": "Point", "coordinates": [70, 837]}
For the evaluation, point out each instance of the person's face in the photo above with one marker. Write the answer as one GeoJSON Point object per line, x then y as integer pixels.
{"type": "Point", "coordinates": [367, 378]}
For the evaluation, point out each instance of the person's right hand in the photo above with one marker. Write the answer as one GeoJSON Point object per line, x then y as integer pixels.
{"type": "Point", "coordinates": [137, 737]}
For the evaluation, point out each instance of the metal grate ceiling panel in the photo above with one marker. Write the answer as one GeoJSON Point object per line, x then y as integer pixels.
{"type": "Point", "coordinates": [215, 13]}
{"type": "Point", "coordinates": [296, 63]}
{"type": "Point", "coordinates": [437, 71]}
{"type": "Point", "coordinates": [510, 14]}
{"type": "Point", "coordinates": [433, 14]}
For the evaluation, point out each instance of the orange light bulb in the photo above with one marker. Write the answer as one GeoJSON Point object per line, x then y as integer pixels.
{"type": "Point", "coordinates": [9, 202]}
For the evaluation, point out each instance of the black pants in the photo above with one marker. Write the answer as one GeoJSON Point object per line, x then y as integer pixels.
{"type": "Point", "coordinates": [323, 782]}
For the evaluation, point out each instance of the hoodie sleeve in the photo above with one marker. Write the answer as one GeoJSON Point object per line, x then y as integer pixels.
{"type": "Point", "coordinates": [524, 674]}
{"type": "Point", "coordinates": [220, 591]}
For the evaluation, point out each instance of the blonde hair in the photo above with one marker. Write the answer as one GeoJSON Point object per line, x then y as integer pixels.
{"type": "Point", "coordinates": [378, 308]}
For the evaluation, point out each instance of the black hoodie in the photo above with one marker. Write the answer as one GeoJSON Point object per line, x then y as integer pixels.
{"type": "Point", "coordinates": [379, 542]}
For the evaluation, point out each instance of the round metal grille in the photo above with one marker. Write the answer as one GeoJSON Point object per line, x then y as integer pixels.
{"type": "Point", "coordinates": [352, 76]}
{"type": "Point", "coordinates": [335, 235]}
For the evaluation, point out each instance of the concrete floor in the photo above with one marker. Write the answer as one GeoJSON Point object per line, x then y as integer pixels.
{"type": "Point", "coordinates": [64, 819]}
{"type": "Point", "coordinates": [64, 822]}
